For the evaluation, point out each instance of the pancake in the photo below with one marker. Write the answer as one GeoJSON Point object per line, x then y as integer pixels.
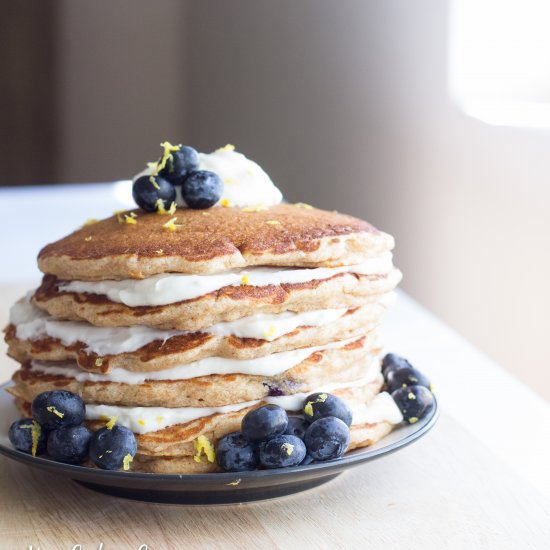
{"type": "Point", "coordinates": [212, 241]}
{"type": "Point", "coordinates": [320, 368]}
{"type": "Point", "coordinates": [345, 290]}
{"type": "Point", "coordinates": [163, 353]}
{"type": "Point", "coordinates": [172, 450]}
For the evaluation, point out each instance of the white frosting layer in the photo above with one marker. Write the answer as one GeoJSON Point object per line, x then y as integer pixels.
{"type": "Point", "coordinates": [269, 365]}
{"type": "Point", "coordinates": [32, 324]}
{"type": "Point", "coordinates": [245, 183]}
{"type": "Point", "coordinates": [169, 288]}
{"type": "Point", "coordinates": [150, 419]}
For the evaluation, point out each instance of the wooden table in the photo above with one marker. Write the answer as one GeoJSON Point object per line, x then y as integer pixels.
{"type": "Point", "coordinates": [480, 479]}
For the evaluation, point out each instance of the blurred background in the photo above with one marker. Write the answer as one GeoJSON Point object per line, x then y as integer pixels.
{"type": "Point", "coordinates": [431, 119]}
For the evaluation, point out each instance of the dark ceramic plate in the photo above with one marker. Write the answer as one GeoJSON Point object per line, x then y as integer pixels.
{"type": "Point", "coordinates": [217, 488]}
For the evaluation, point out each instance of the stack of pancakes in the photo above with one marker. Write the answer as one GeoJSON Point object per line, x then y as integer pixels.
{"type": "Point", "coordinates": [178, 329]}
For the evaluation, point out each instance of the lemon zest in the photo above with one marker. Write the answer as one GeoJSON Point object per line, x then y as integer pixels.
{"type": "Point", "coordinates": [255, 208]}
{"type": "Point", "coordinates": [413, 420]}
{"type": "Point", "coordinates": [205, 213]}
{"type": "Point", "coordinates": [89, 221]}
{"type": "Point", "coordinates": [111, 422]}
{"type": "Point", "coordinates": [272, 329]}
{"type": "Point", "coordinates": [167, 153]}
{"type": "Point", "coordinates": [160, 418]}
{"type": "Point", "coordinates": [411, 395]}
{"type": "Point", "coordinates": [152, 165]}
{"type": "Point", "coordinates": [36, 431]}
{"type": "Point", "coordinates": [245, 280]}
{"type": "Point", "coordinates": [126, 462]}
{"type": "Point", "coordinates": [99, 361]}
{"type": "Point", "coordinates": [235, 483]}
{"type": "Point", "coordinates": [53, 410]}
{"type": "Point", "coordinates": [171, 224]}
{"type": "Point", "coordinates": [226, 148]}
{"type": "Point", "coordinates": [308, 409]}
{"type": "Point", "coordinates": [130, 219]}
{"type": "Point", "coordinates": [203, 445]}
{"type": "Point", "coordinates": [273, 222]}
{"type": "Point", "coordinates": [118, 214]}
{"type": "Point", "coordinates": [303, 205]}
{"type": "Point", "coordinates": [88, 239]}
{"type": "Point", "coordinates": [161, 210]}
{"type": "Point", "coordinates": [141, 422]}
{"type": "Point", "coordinates": [154, 183]}
{"type": "Point", "coordinates": [226, 203]}
{"type": "Point", "coordinates": [160, 251]}
{"type": "Point", "coordinates": [288, 447]}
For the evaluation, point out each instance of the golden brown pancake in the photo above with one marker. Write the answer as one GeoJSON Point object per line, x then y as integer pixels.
{"type": "Point", "coordinates": [227, 304]}
{"type": "Point", "coordinates": [178, 350]}
{"type": "Point", "coordinates": [348, 363]}
{"type": "Point", "coordinates": [214, 240]}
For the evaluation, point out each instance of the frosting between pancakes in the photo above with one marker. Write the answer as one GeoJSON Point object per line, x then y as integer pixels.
{"type": "Point", "coordinates": [169, 288]}
{"type": "Point", "coordinates": [269, 365]}
{"type": "Point", "coordinates": [143, 420]}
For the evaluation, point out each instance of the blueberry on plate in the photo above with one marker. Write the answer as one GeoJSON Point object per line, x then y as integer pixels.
{"type": "Point", "coordinates": [69, 445]}
{"type": "Point", "coordinates": [235, 454]}
{"type": "Point", "coordinates": [282, 451]}
{"type": "Point", "coordinates": [113, 448]}
{"type": "Point", "coordinates": [147, 190]}
{"type": "Point", "coordinates": [327, 438]}
{"type": "Point", "coordinates": [321, 405]}
{"type": "Point", "coordinates": [308, 459]}
{"type": "Point", "coordinates": [28, 436]}
{"type": "Point", "coordinates": [296, 426]}
{"type": "Point", "coordinates": [404, 377]}
{"type": "Point", "coordinates": [58, 409]}
{"type": "Point", "coordinates": [179, 164]}
{"type": "Point", "coordinates": [391, 362]}
{"type": "Point", "coordinates": [414, 402]}
{"type": "Point", "coordinates": [265, 422]}
{"type": "Point", "coordinates": [202, 189]}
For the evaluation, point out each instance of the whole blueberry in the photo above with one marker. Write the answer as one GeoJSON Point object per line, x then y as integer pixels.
{"type": "Point", "coordinates": [265, 422]}
{"type": "Point", "coordinates": [404, 377]}
{"type": "Point", "coordinates": [202, 189]}
{"type": "Point", "coordinates": [179, 164]}
{"type": "Point", "coordinates": [414, 402]}
{"type": "Point", "coordinates": [235, 454]}
{"type": "Point", "coordinates": [327, 438]}
{"type": "Point", "coordinates": [113, 448]}
{"type": "Point", "coordinates": [391, 362]}
{"type": "Point", "coordinates": [58, 409]}
{"type": "Point", "coordinates": [147, 190]}
{"type": "Point", "coordinates": [28, 436]}
{"type": "Point", "coordinates": [321, 405]}
{"type": "Point", "coordinates": [282, 451]}
{"type": "Point", "coordinates": [296, 426]}
{"type": "Point", "coordinates": [69, 445]}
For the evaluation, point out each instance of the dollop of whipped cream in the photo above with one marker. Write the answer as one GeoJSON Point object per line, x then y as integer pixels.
{"type": "Point", "coordinates": [245, 182]}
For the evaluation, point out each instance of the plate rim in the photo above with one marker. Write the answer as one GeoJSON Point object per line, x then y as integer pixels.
{"type": "Point", "coordinates": [354, 458]}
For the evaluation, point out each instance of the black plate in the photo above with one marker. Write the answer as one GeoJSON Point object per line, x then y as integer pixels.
{"type": "Point", "coordinates": [217, 488]}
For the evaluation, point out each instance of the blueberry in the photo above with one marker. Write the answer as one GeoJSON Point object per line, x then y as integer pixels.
{"type": "Point", "coordinates": [113, 448]}
{"type": "Point", "coordinates": [296, 426]}
{"type": "Point", "coordinates": [147, 190]}
{"type": "Point", "coordinates": [58, 409]}
{"type": "Point", "coordinates": [404, 377]}
{"type": "Point", "coordinates": [308, 459]}
{"type": "Point", "coordinates": [282, 451]}
{"type": "Point", "coordinates": [327, 438]}
{"type": "Point", "coordinates": [179, 164]}
{"type": "Point", "coordinates": [235, 454]}
{"type": "Point", "coordinates": [414, 402]}
{"type": "Point", "coordinates": [69, 445]}
{"type": "Point", "coordinates": [28, 436]}
{"type": "Point", "coordinates": [391, 362]}
{"type": "Point", "coordinates": [320, 405]}
{"type": "Point", "coordinates": [265, 422]}
{"type": "Point", "coordinates": [202, 189]}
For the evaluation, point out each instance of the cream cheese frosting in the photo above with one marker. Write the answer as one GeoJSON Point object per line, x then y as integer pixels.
{"type": "Point", "coordinates": [269, 365]}
{"type": "Point", "coordinates": [33, 324]}
{"type": "Point", "coordinates": [245, 182]}
{"type": "Point", "coordinates": [143, 420]}
{"type": "Point", "coordinates": [169, 288]}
